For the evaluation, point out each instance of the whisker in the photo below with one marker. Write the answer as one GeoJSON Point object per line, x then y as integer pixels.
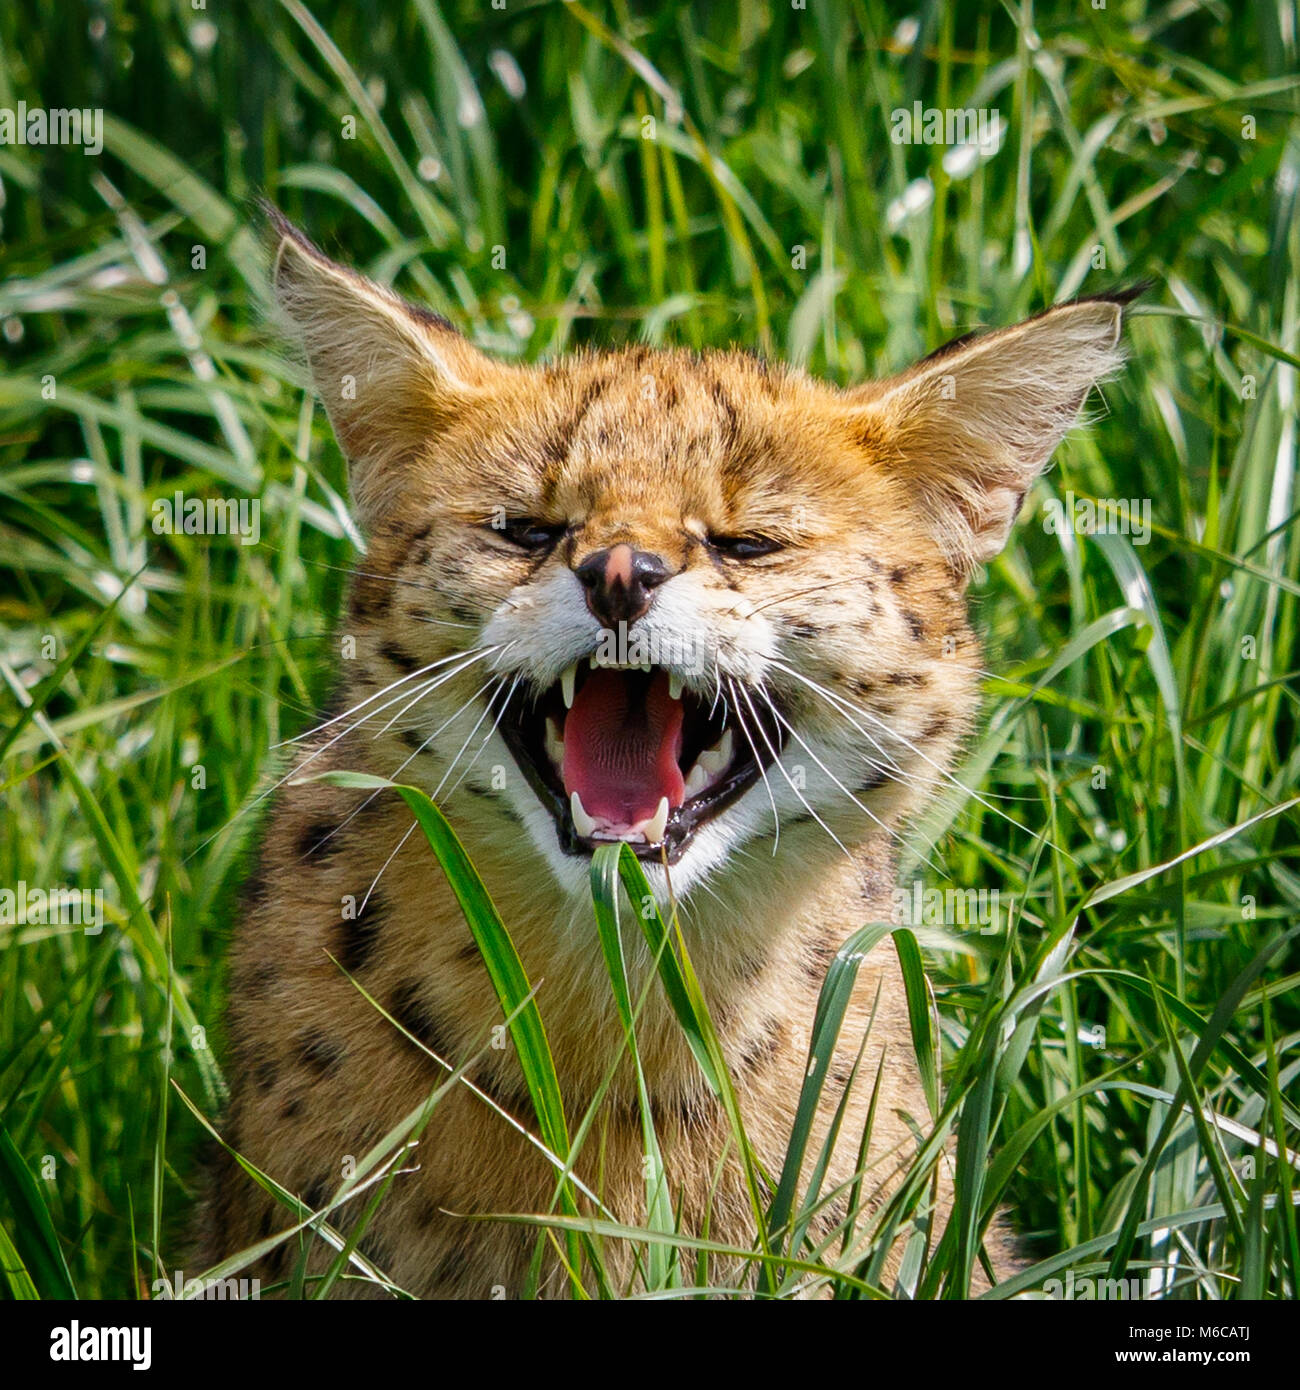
{"type": "Point", "coordinates": [441, 680]}
{"type": "Point", "coordinates": [392, 685]}
{"type": "Point", "coordinates": [793, 593]}
{"type": "Point", "coordinates": [777, 760]}
{"type": "Point", "coordinates": [361, 574]}
{"type": "Point", "coordinates": [432, 797]}
{"type": "Point", "coordinates": [452, 765]}
{"type": "Point", "coordinates": [758, 762]}
{"type": "Point", "coordinates": [397, 771]}
{"type": "Point", "coordinates": [374, 882]}
{"type": "Point", "coordinates": [943, 773]}
{"type": "Point", "coordinates": [888, 829]}
{"type": "Point", "coordinates": [496, 724]}
{"type": "Point", "coordinates": [297, 768]}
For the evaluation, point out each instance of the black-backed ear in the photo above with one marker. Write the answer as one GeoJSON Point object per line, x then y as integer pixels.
{"type": "Point", "coordinates": [391, 375]}
{"type": "Point", "coordinates": [971, 426]}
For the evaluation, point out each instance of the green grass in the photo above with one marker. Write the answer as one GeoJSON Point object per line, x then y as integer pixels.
{"type": "Point", "coordinates": [1141, 719]}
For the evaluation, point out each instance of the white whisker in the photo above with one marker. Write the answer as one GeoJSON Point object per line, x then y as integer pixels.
{"type": "Point", "coordinates": [758, 762]}
{"type": "Point", "coordinates": [758, 723]}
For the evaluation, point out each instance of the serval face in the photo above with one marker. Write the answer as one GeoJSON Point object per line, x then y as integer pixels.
{"type": "Point", "coordinates": [685, 601]}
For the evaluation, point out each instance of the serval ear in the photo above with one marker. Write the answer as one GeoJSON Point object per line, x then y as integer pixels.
{"type": "Point", "coordinates": [391, 375]}
{"type": "Point", "coordinates": [971, 426]}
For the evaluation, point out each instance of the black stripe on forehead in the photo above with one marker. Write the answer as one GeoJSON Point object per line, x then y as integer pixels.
{"type": "Point", "coordinates": [559, 439]}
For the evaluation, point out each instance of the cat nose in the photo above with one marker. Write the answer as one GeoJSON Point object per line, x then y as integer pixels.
{"type": "Point", "coordinates": [620, 582]}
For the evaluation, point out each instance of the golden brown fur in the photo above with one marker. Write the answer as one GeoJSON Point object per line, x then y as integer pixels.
{"type": "Point", "coordinates": [882, 500]}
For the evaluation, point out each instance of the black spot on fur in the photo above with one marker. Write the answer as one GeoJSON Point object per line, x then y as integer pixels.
{"type": "Point", "coordinates": [915, 625]}
{"type": "Point", "coordinates": [414, 739]}
{"type": "Point", "coordinates": [292, 1108]}
{"type": "Point", "coordinates": [264, 1074]}
{"type": "Point", "coordinates": [730, 420]}
{"type": "Point", "coordinates": [899, 573]}
{"type": "Point", "coordinates": [463, 613]}
{"type": "Point", "coordinates": [316, 1194]}
{"type": "Point", "coordinates": [818, 960]}
{"type": "Point", "coordinates": [805, 630]}
{"type": "Point", "coordinates": [936, 726]}
{"type": "Point", "coordinates": [556, 446]}
{"type": "Point", "coordinates": [749, 968]}
{"type": "Point", "coordinates": [429, 318]}
{"type": "Point", "coordinates": [400, 657]}
{"type": "Point", "coordinates": [906, 678]}
{"type": "Point", "coordinates": [316, 840]}
{"type": "Point", "coordinates": [452, 1266]}
{"type": "Point", "coordinates": [409, 1007]}
{"type": "Point", "coordinates": [695, 1106]}
{"type": "Point", "coordinates": [949, 347]}
{"type": "Point", "coordinates": [358, 936]}
{"type": "Point", "coordinates": [255, 981]}
{"type": "Point", "coordinates": [510, 1093]}
{"type": "Point", "coordinates": [324, 1055]}
{"type": "Point", "coordinates": [371, 597]}
{"type": "Point", "coordinates": [863, 687]}
{"type": "Point", "coordinates": [762, 1048]}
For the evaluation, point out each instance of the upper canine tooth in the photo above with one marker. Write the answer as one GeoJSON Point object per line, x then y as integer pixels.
{"type": "Point", "coordinates": [674, 686]}
{"type": "Point", "coordinates": [568, 678]}
{"type": "Point", "coordinates": [654, 828]}
{"type": "Point", "coordinates": [697, 779]}
{"type": "Point", "coordinates": [714, 759]}
{"type": "Point", "coordinates": [582, 822]}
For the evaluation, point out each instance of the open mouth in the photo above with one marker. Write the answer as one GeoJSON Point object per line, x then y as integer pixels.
{"type": "Point", "coordinates": [630, 753]}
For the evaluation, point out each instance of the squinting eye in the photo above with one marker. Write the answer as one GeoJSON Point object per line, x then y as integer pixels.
{"type": "Point", "coordinates": [744, 547]}
{"type": "Point", "coordinates": [530, 534]}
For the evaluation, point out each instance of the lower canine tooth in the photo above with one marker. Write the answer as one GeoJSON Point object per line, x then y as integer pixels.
{"type": "Point", "coordinates": [582, 822]}
{"type": "Point", "coordinates": [654, 829]}
{"type": "Point", "coordinates": [714, 759]}
{"type": "Point", "coordinates": [696, 781]}
{"type": "Point", "coordinates": [554, 743]}
{"type": "Point", "coordinates": [567, 681]}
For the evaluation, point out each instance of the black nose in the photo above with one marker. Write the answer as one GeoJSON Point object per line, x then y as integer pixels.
{"type": "Point", "coordinates": [620, 582]}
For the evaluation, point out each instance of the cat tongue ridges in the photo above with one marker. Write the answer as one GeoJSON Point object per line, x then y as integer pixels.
{"type": "Point", "coordinates": [620, 755]}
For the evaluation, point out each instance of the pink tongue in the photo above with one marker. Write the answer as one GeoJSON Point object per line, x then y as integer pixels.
{"type": "Point", "coordinates": [623, 761]}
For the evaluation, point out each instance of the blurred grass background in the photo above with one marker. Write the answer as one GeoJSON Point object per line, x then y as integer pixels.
{"type": "Point", "coordinates": [551, 175]}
